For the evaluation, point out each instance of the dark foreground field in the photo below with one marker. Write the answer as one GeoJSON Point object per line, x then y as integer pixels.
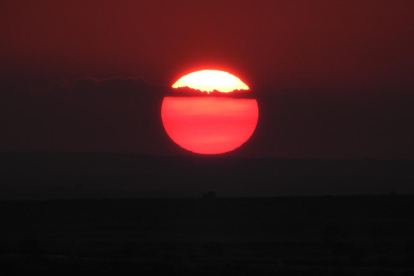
{"type": "Point", "coordinates": [324, 235]}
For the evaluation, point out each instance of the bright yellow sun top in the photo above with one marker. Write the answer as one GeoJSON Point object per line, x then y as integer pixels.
{"type": "Point", "coordinates": [209, 80]}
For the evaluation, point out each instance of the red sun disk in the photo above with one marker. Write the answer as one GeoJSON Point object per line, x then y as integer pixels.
{"type": "Point", "coordinates": [209, 125]}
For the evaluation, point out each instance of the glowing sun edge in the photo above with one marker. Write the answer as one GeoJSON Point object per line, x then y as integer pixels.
{"type": "Point", "coordinates": [210, 80]}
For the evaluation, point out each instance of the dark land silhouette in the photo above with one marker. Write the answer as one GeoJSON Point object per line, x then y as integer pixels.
{"type": "Point", "coordinates": [29, 176]}
{"type": "Point", "coordinates": [330, 235]}
{"type": "Point", "coordinates": [72, 213]}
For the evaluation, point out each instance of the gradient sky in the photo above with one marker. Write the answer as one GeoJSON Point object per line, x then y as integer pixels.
{"type": "Point", "coordinates": [333, 79]}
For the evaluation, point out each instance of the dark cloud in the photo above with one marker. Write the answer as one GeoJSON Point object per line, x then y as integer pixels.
{"type": "Point", "coordinates": [60, 86]}
{"type": "Point", "coordinates": [89, 114]}
{"type": "Point", "coordinates": [124, 115]}
{"type": "Point", "coordinates": [323, 125]}
{"type": "Point", "coordinates": [190, 92]}
{"type": "Point", "coordinates": [111, 85]}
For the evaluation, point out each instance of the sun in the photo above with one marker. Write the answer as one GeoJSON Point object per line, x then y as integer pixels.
{"type": "Point", "coordinates": [210, 80]}
{"type": "Point", "coordinates": [209, 124]}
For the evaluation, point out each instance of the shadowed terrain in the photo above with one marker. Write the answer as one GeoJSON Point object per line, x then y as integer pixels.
{"type": "Point", "coordinates": [114, 213]}
{"type": "Point", "coordinates": [352, 235]}
{"type": "Point", "coordinates": [104, 175]}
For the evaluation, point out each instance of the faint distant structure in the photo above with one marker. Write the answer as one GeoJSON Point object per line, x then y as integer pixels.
{"type": "Point", "coordinates": [209, 195]}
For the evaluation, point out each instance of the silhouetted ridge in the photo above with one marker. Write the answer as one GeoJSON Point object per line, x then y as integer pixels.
{"type": "Point", "coordinates": [88, 175]}
{"type": "Point", "coordinates": [190, 92]}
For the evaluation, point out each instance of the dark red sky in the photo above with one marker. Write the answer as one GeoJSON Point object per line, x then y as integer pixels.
{"type": "Point", "coordinates": [333, 78]}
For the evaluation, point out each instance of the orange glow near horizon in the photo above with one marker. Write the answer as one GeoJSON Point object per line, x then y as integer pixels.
{"type": "Point", "coordinates": [209, 125]}
{"type": "Point", "coordinates": [209, 80]}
